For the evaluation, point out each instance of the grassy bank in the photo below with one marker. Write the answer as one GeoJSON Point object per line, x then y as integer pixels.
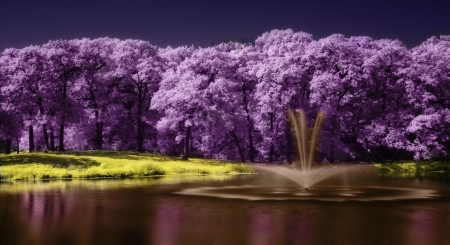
{"type": "Point", "coordinates": [109, 164]}
{"type": "Point", "coordinates": [412, 167]}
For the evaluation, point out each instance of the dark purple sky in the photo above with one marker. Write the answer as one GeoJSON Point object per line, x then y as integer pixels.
{"type": "Point", "coordinates": [201, 22]}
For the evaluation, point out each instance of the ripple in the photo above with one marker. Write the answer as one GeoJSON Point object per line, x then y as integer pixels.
{"type": "Point", "coordinates": [322, 193]}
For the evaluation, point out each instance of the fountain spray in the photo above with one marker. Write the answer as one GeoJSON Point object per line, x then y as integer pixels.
{"type": "Point", "coordinates": [306, 141]}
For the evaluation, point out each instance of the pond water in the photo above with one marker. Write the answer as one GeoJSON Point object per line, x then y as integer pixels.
{"type": "Point", "coordinates": [358, 208]}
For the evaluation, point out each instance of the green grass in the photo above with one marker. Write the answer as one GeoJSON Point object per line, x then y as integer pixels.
{"type": "Point", "coordinates": [413, 167]}
{"type": "Point", "coordinates": [108, 164]}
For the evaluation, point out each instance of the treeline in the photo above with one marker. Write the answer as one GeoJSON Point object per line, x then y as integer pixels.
{"type": "Point", "coordinates": [382, 100]}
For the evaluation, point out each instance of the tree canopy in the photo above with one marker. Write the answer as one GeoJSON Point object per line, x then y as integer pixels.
{"type": "Point", "coordinates": [383, 101]}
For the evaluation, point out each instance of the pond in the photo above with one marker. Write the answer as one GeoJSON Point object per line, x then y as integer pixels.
{"type": "Point", "coordinates": [357, 208]}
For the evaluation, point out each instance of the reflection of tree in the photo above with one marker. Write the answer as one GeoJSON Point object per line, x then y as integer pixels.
{"type": "Point", "coordinates": [54, 216]}
{"type": "Point", "coordinates": [165, 227]}
{"type": "Point", "coordinates": [43, 210]}
{"type": "Point", "coordinates": [279, 227]}
{"type": "Point", "coordinates": [423, 227]}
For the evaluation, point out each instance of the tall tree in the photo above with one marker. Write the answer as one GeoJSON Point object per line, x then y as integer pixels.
{"type": "Point", "coordinates": [63, 72]}
{"type": "Point", "coordinates": [428, 89]}
{"type": "Point", "coordinates": [338, 65]}
{"type": "Point", "coordinates": [245, 58]}
{"type": "Point", "coordinates": [383, 113]}
{"type": "Point", "coordinates": [282, 83]}
{"type": "Point", "coordinates": [28, 74]}
{"type": "Point", "coordinates": [10, 121]}
{"type": "Point", "coordinates": [97, 80]}
{"type": "Point", "coordinates": [167, 142]}
{"type": "Point", "coordinates": [197, 97]}
{"type": "Point", "coordinates": [140, 68]}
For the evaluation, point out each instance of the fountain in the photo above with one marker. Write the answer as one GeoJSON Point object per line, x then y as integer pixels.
{"type": "Point", "coordinates": [306, 142]}
{"type": "Point", "coordinates": [306, 174]}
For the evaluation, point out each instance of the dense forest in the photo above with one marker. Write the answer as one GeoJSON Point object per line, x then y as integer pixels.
{"type": "Point", "coordinates": [229, 101]}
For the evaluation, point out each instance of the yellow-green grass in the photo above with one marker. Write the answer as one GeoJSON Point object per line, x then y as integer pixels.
{"type": "Point", "coordinates": [108, 164]}
{"type": "Point", "coordinates": [64, 185]}
{"type": "Point", "coordinates": [413, 167]}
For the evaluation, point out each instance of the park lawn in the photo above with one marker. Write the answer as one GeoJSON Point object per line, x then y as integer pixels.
{"type": "Point", "coordinates": [108, 164]}
{"type": "Point", "coordinates": [414, 166]}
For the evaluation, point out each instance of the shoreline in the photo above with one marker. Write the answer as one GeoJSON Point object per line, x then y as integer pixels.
{"type": "Point", "coordinates": [109, 164]}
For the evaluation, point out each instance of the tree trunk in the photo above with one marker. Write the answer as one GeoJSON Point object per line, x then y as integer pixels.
{"type": "Point", "coordinates": [271, 153]}
{"type": "Point", "coordinates": [139, 136]}
{"type": "Point", "coordinates": [289, 144]}
{"type": "Point", "coordinates": [186, 144]}
{"type": "Point", "coordinates": [139, 116]}
{"type": "Point", "coordinates": [30, 138]}
{"type": "Point", "coordinates": [142, 135]}
{"type": "Point", "coordinates": [17, 144]}
{"type": "Point", "coordinates": [99, 135]}
{"type": "Point", "coordinates": [139, 124]}
{"type": "Point", "coordinates": [251, 153]}
{"type": "Point", "coordinates": [44, 126]}
{"type": "Point", "coordinates": [61, 138]}
{"type": "Point", "coordinates": [52, 140]}
{"type": "Point", "coordinates": [97, 139]}
{"type": "Point", "coordinates": [271, 143]}
{"type": "Point", "coordinates": [333, 143]}
{"type": "Point", "coordinates": [8, 146]}
{"type": "Point", "coordinates": [44, 129]}
{"type": "Point", "coordinates": [240, 150]}
{"type": "Point", "coordinates": [98, 130]}
{"type": "Point", "coordinates": [61, 126]}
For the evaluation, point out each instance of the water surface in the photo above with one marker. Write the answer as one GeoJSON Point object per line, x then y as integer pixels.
{"type": "Point", "coordinates": [156, 211]}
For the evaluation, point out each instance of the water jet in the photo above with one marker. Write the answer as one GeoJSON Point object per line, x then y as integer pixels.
{"type": "Point", "coordinates": [304, 171]}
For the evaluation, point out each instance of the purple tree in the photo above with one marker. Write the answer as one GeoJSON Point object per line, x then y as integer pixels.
{"type": "Point", "coordinates": [243, 89]}
{"type": "Point", "coordinates": [61, 84]}
{"type": "Point", "coordinates": [167, 133]}
{"type": "Point", "coordinates": [10, 123]}
{"type": "Point", "coordinates": [27, 75]}
{"type": "Point", "coordinates": [384, 113]}
{"type": "Point", "coordinates": [428, 89]}
{"type": "Point", "coordinates": [230, 100]}
{"type": "Point", "coordinates": [337, 62]}
{"type": "Point", "coordinates": [282, 83]}
{"type": "Point", "coordinates": [140, 68]}
{"type": "Point", "coordinates": [97, 80]}
{"type": "Point", "coordinates": [202, 98]}
{"type": "Point", "coordinates": [10, 128]}
{"type": "Point", "coordinates": [183, 93]}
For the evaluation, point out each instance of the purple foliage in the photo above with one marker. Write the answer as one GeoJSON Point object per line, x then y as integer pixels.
{"type": "Point", "coordinates": [229, 101]}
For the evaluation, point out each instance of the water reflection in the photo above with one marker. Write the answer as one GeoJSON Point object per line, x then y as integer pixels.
{"type": "Point", "coordinates": [421, 228]}
{"type": "Point", "coordinates": [149, 213]}
{"type": "Point", "coordinates": [42, 209]}
{"type": "Point", "coordinates": [165, 225]}
{"type": "Point", "coordinates": [262, 228]}
{"type": "Point", "coordinates": [280, 227]}
{"type": "Point", "coordinates": [103, 184]}
{"type": "Point", "coordinates": [427, 224]}
{"type": "Point", "coordinates": [322, 193]}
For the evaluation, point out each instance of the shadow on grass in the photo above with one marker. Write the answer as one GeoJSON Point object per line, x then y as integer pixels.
{"type": "Point", "coordinates": [83, 159]}
{"type": "Point", "coordinates": [58, 161]}
{"type": "Point", "coordinates": [126, 155]}
{"type": "Point", "coordinates": [130, 155]}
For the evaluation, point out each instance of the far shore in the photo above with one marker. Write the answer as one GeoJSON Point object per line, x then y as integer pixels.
{"type": "Point", "coordinates": [109, 164]}
{"type": "Point", "coordinates": [122, 164]}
